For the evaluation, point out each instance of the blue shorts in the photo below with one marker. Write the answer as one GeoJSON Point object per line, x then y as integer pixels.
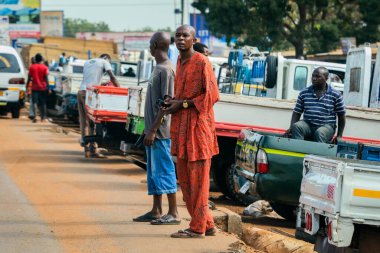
{"type": "Point", "coordinates": [160, 170]}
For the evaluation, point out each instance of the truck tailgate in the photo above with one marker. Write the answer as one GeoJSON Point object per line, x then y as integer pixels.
{"type": "Point", "coordinates": [361, 190]}
{"type": "Point", "coordinates": [321, 184]}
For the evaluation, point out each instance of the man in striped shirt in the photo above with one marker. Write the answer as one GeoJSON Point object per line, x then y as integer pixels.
{"type": "Point", "coordinates": [320, 105]}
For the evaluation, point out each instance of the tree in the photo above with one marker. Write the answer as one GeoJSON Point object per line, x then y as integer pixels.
{"type": "Point", "coordinates": [72, 26]}
{"type": "Point", "coordinates": [314, 25]}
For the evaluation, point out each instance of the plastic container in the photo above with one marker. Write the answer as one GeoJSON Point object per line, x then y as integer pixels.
{"type": "Point", "coordinates": [371, 153]}
{"type": "Point", "coordinates": [349, 150]}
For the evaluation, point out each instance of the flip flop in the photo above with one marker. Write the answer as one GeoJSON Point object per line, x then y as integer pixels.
{"type": "Point", "coordinates": [167, 219]}
{"type": "Point", "coordinates": [187, 233]}
{"type": "Point", "coordinates": [145, 218]}
{"type": "Point", "coordinates": [209, 232]}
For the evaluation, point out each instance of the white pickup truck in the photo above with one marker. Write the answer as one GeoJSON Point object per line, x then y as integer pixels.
{"type": "Point", "coordinates": [340, 204]}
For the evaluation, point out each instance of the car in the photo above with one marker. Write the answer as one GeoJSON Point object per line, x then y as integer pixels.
{"type": "Point", "coordinates": [12, 82]}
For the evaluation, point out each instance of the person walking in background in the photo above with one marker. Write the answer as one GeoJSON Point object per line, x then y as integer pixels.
{"type": "Point", "coordinates": [32, 113]}
{"type": "Point", "coordinates": [161, 175]}
{"type": "Point", "coordinates": [173, 52]}
{"type": "Point", "coordinates": [201, 48]}
{"type": "Point", "coordinates": [92, 75]}
{"type": "Point", "coordinates": [193, 131]}
{"type": "Point", "coordinates": [38, 75]}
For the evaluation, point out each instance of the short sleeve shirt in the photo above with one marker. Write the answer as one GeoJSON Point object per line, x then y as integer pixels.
{"type": "Point", "coordinates": [38, 73]}
{"type": "Point", "coordinates": [160, 84]}
{"type": "Point", "coordinates": [93, 72]}
{"type": "Point", "coordinates": [320, 111]}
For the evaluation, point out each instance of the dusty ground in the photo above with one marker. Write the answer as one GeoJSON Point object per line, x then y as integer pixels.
{"type": "Point", "coordinates": [55, 200]}
{"type": "Point", "coordinates": [272, 223]}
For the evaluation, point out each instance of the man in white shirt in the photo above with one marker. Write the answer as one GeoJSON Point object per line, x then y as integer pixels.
{"type": "Point", "coordinates": [173, 52]}
{"type": "Point", "coordinates": [93, 72]}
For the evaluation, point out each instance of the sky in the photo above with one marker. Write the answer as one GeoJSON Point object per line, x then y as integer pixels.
{"type": "Point", "coordinates": [122, 15]}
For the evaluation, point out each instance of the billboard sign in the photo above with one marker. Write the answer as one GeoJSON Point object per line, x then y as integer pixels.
{"type": "Point", "coordinates": [4, 30]}
{"type": "Point", "coordinates": [218, 47]}
{"type": "Point", "coordinates": [52, 23]}
{"type": "Point", "coordinates": [24, 17]}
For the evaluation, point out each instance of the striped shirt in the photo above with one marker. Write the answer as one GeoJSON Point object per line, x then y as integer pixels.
{"type": "Point", "coordinates": [322, 111]}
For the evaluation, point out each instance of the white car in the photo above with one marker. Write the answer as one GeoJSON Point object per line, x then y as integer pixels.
{"type": "Point", "coordinates": [12, 82]}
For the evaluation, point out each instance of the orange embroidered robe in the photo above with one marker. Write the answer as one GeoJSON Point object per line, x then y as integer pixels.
{"type": "Point", "coordinates": [193, 130]}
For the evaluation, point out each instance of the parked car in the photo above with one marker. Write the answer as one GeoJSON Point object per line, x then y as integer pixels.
{"type": "Point", "coordinates": [12, 82]}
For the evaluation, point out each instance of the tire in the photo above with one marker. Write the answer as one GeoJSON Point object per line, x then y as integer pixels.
{"type": "Point", "coordinates": [271, 72]}
{"type": "Point", "coordinates": [15, 111]}
{"type": "Point", "coordinates": [243, 199]}
{"type": "Point", "coordinates": [301, 235]}
{"type": "Point", "coordinates": [222, 163]}
{"type": "Point", "coordinates": [287, 212]}
{"type": "Point", "coordinates": [322, 246]}
{"type": "Point", "coordinates": [218, 173]}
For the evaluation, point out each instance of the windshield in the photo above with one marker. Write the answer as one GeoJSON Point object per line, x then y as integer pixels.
{"type": "Point", "coordinates": [9, 64]}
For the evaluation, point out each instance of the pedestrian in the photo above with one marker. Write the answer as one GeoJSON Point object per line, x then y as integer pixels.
{"type": "Point", "coordinates": [192, 131]}
{"type": "Point", "coordinates": [161, 176]}
{"type": "Point", "coordinates": [38, 75]}
{"type": "Point", "coordinates": [32, 113]}
{"type": "Point", "coordinates": [320, 105]}
{"type": "Point", "coordinates": [173, 52]}
{"type": "Point", "coordinates": [62, 59]}
{"type": "Point", "coordinates": [92, 75]}
{"type": "Point", "coordinates": [201, 48]}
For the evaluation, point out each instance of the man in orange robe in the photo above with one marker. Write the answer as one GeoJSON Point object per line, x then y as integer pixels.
{"type": "Point", "coordinates": [192, 130]}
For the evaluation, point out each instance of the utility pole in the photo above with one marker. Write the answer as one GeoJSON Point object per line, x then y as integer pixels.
{"type": "Point", "coordinates": [182, 11]}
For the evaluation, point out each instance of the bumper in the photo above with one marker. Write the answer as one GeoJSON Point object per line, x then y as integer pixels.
{"type": "Point", "coordinates": [248, 182]}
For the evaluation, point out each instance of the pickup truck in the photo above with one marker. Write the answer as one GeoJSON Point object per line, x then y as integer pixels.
{"type": "Point", "coordinates": [273, 165]}
{"type": "Point", "coordinates": [340, 205]}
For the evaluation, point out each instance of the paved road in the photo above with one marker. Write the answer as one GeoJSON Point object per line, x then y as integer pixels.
{"type": "Point", "coordinates": [55, 200]}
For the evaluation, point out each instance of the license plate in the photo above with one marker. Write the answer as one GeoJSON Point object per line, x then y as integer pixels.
{"type": "Point", "coordinates": [244, 188]}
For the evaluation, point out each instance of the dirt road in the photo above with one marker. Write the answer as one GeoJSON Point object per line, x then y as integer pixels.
{"type": "Point", "coordinates": [55, 200]}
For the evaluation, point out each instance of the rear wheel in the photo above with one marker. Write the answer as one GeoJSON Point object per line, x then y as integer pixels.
{"type": "Point", "coordinates": [15, 111]}
{"type": "Point", "coordinates": [222, 163]}
{"type": "Point", "coordinates": [287, 212]}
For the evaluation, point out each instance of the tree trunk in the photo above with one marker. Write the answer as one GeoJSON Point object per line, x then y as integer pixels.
{"type": "Point", "coordinates": [299, 49]}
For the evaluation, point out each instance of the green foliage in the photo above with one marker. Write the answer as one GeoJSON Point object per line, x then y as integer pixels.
{"type": "Point", "coordinates": [72, 26]}
{"type": "Point", "coordinates": [311, 26]}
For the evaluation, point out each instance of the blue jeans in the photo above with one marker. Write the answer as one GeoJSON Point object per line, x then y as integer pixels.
{"type": "Point", "coordinates": [160, 170]}
{"type": "Point", "coordinates": [303, 130]}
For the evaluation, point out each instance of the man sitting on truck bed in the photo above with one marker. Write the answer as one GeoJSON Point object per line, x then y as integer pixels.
{"type": "Point", "coordinates": [320, 105]}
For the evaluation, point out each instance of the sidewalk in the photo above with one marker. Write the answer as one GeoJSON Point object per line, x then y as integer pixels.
{"type": "Point", "coordinates": [76, 204]}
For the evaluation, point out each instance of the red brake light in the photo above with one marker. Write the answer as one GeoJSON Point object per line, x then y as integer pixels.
{"type": "Point", "coordinates": [17, 81]}
{"type": "Point", "coordinates": [262, 162]}
{"type": "Point", "coordinates": [329, 230]}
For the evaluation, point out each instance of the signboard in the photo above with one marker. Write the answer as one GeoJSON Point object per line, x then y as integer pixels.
{"type": "Point", "coordinates": [4, 30]}
{"type": "Point", "coordinates": [198, 21]}
{"type": "Point", "coordinates": [24, 17]}
{"type": "Point", "coordinates": [52, 23]}
{"type": "Point", "coordinates": [136, 43]}
{"type": "Point", "coordinates": [217, 47]}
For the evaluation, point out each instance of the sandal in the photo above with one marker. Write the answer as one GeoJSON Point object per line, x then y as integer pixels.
{"type": "Point", "coordinates": [167, 219]}
{"type": "Point", "coordinates": [187, 233]}
{"type": "Point", "coordinates": [146, 218]}
{"type": "Point", "coordinates": [211, 231]}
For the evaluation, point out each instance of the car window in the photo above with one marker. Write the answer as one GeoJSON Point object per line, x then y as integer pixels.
{"type": "Point", "coordinates": [77, 69]}
{"type": "Point", "coordinates": [300, 78]}
{"type": "Point", "coordinates": [9, 63]}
